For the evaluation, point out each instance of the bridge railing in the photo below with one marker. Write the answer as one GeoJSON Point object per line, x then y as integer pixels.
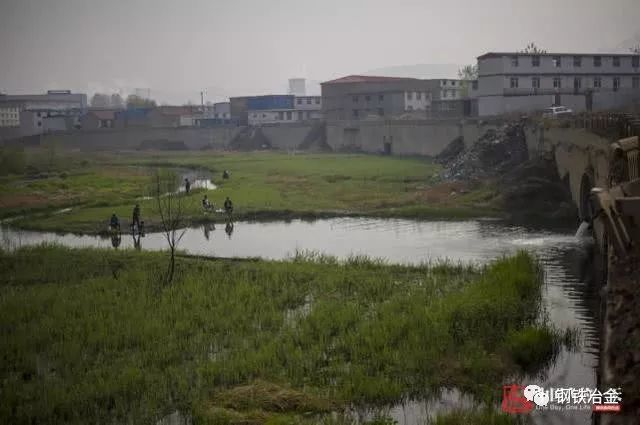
{"type": "Point", "coordinates": [610, 124]}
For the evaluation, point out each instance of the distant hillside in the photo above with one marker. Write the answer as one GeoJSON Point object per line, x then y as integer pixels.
{"type": "Point", "coordinates": [436, 70]}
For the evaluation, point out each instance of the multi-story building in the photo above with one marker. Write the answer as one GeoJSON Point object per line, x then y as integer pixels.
{"type": "Point", "coordinates": [525, 82]}
{"type": "Point", "coordinates": [357, 97]}
{"type": "Point", "coordinates": [53, 100]}
{"type": "Point", "coordinates": [300, 108]}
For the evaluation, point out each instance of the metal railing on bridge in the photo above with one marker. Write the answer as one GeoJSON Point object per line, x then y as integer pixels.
{"type": "Point", "coordinates": [616, 125]}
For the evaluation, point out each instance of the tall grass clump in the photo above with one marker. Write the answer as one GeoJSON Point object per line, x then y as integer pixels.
{"type": "Point", "coordinates": [90, 336]}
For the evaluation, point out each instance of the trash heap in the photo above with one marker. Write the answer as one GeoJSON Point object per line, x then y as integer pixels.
{"type": "Point", "coordinates": [497, 151]}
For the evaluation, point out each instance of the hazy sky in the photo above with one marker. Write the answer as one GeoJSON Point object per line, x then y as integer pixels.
{"type": "Point", "coordinates": [237, 47]}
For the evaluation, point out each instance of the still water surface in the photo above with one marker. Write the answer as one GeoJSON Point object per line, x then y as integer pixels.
{"type": "Point", "coordinates": [569, 298]}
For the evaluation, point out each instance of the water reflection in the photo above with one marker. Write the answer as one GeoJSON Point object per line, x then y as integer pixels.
{"type": "Point", "coordinates": [228, 229]}
{"type": "Point", "coordinates": [207, 229]}
{"type": "Point", "coordinates": [568, 297]}
{"type": "Point", "coordinates": [116, 240]}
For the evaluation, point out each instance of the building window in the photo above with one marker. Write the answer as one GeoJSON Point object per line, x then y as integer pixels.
{"type": "Point", "coordinates": [535, 60]}
{"type": "Point", "coordinates": [409, 108]}
{"type": "Point", "coordinates": [299, 101]}
{"type": "Point", "coordinates": [597, 82]}
{"type": "Point", "coordinates": [616, 83]}
{"type": "Point", "coordinates": [616, 61]}
{"type": "Point", "coordinates": [355, 113]}
{"type": "Point", "coordinates": [367, 98]}
{"type": "Point", "coordinates": [597, 61]}
{"type": "Point", "coordinates": [514, 61]}
{"type": "Point", "coordinates": [300, 115]}
{"type": "Point", "coordinates": [577, 83]}
{"type": "Point", "coordinates": [557, 83]}
{"type": "Point", "coordinates": [557, 62]}
{"type": "Point", "coordinates": [444, 93]}
{"type": "Point", "coordinates": [453, 83]}
{"type": "Point", "coordinates": [289, 115]}
{"type": "Point", "coordinates": [409, 95]}
{"type": "Point", "coordinates": [635, 61]}
{"type": "Point", "coordinates": [355, 99]}
{"type": "Point", "coordinates": [308, 115]}
{"type": "Point", "coordinates": [635, 82]}
{"type": "Point", "coordinates": [444, 82]}
{"type": "Point", "coordinates": [264, 115]}
{"type": "Point", "coordinates": [513, 83]}
{"type": "Point", "coordinates": [535, 82]}
{"type": "Point", "coordinates": [309, 101]}
{"type": "Point", "coordinates": [39, 124]}
{"type": "Point", "coordinates": [317, 100]}
{"type": "Point", "coordinates": [380, 97]}
{"type": "Point", "coordinates": [281, 116]}
{"type": "Point", "coordinates": [577, 61]}
{"type": "Point", "coordinates": [418, 96]}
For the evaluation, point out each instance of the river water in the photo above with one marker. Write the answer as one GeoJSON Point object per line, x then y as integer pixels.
{"type": "Point", "coordinates": [569, 298]}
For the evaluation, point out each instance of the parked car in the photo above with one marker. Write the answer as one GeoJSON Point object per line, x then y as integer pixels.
{"type": "Point", "coordinates": [556, 111]}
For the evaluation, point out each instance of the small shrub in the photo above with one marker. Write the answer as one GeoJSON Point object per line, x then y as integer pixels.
{"type": "Point", "coordinates": [532, 347]}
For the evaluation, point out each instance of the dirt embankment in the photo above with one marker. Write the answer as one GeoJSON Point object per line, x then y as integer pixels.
{"type": "Point", "coordinates": [530, 189]}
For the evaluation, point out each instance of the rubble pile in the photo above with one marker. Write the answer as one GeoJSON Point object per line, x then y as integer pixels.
{"type": "Point", "coordinates": [451, 152]}
{"type": "Point", "coordinates": [530, 190]}
{"type": "Point", "coordinates": [494, 153]}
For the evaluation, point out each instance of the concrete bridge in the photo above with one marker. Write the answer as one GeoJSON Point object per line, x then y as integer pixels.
{"type": "Point", "coordinates": [583, 156]}
{"type": "Point", "coordinates": [581, 148]}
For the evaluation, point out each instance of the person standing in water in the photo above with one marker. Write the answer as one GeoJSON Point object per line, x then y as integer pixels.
{"type": "Point", "coordinates": [187, 185]}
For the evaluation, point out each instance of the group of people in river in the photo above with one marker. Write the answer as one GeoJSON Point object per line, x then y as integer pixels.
{"type": "Point", "coordinates": [137, 225]}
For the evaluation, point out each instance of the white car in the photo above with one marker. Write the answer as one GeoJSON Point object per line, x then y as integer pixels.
{"type": "Point", "coordinates": [556, 111]}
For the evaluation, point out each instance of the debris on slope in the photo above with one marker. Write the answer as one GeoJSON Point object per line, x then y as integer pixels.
{"type": "Point", "coordinates": [494, 153]}
{"type": "Point", "coordinates": [530, 190]}
{"type": "Point", "coordinates": [453, 149]}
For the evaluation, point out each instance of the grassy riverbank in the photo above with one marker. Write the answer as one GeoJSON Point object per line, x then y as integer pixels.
{"type": "Point", "coordinates": [263, 186]}
{"type": "Point", "coordinates": [92, 336]}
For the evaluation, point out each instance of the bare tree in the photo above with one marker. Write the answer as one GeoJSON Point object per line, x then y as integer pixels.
{"type": "Point", "coordinates": [171, 210]}
{"type": "Point", "coordinates": [532, 48]}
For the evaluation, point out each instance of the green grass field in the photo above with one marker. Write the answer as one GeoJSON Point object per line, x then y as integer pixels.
{"type": "Point", "coordinates": [262, 186]}
{"type": "Point", "coordinates": [93, 336]}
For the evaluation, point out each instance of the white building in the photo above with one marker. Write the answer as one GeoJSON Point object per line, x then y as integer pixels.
{"type": "Point", "coordinates": [417, 100]}
{"type": "Point", "coordinates": [526, 82]}
{"type": "Point", "coordinates": [9, 115]}
{"type": "Point", "coordinates": [297, 86]}
{"type": "Point", "coordinates": [306, 108]}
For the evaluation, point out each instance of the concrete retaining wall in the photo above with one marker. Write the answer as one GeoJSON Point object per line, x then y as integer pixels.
{"type": "Point", "coordinates": [404, 137]}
